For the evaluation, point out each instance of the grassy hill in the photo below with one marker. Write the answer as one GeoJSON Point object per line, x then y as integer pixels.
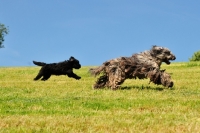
{"type": "Point", "coordinates": [62, 104]}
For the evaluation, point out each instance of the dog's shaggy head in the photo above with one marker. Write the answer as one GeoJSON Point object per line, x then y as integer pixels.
{"type": "Point", "coordinates": [162, 54]}
{"type": "Point", "coordinates": [75, 63]}
{"type": "Point", "coordinates": [160, 77]}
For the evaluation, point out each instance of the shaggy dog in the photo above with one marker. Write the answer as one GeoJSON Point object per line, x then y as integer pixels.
{"type": "Point", "coordinates": [61, 68]}
{"type": "Point", "coordinates": [143, 65]}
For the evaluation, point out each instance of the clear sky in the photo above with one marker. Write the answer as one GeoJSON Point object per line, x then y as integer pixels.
{"type": "Point", "coordinates": [94, 31]}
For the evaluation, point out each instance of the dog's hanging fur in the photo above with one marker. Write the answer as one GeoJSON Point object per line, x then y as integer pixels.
{"type": "Point", "coordinates": [61, 68]}
{"type": "Point", "coordinates": [143, 65]}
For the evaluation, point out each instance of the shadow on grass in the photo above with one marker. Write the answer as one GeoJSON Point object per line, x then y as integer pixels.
{"type": "Point", "coordinates": [141, 87]}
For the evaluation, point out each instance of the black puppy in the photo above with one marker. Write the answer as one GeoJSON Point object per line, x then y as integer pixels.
{"type": "Point", "coordinates": [61, 68]}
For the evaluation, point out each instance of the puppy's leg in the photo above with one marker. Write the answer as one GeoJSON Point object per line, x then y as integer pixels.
{"type": "Point", "coordinates": [38, 76]}
{"type": "Point", "coordinates": [46, 76]}
{"type": "Point", "coordinates": [72, 75]}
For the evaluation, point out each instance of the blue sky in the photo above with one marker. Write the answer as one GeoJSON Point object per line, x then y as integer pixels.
{"type": "Point", "coordinates": [94, 31]}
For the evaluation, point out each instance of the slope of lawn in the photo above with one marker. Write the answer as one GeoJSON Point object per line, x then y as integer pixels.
{"type": "Point", "coordinates": [63, 104]}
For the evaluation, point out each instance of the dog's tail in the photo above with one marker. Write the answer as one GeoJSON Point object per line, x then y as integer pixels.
{"type": "Point", "coordinates": [39, 63]}
{"type": "Point", "coordinates": [96, 71]}
{"type": "Point", "coordinates": [101, 69]}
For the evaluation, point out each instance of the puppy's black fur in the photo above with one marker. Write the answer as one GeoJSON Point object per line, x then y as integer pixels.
{"type": "Point", "coordinates": [61, 68]}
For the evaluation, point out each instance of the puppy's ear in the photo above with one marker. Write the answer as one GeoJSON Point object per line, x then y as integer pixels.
{"type": "Point", "coordinates": [71, 58]}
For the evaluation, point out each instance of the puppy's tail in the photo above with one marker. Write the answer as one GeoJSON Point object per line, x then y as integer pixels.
{"type": "Point", "coordinates": [39, 63]}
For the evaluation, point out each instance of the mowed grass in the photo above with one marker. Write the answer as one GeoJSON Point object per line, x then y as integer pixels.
{"type": "Point", "coordinates": [63, 104]}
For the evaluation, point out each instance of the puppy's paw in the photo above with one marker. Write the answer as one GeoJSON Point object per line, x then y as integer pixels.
{"type": "Point", "coordinates": [77, 78]}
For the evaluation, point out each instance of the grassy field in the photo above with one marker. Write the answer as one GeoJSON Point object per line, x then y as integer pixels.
{"type": "Point", "coordinates": [62, 104]}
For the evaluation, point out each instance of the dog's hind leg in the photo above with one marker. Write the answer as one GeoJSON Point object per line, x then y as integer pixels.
{"type": "Point", "coordinates": [38, 76]}
{"type": "Point", "coordinates": [101, 82]}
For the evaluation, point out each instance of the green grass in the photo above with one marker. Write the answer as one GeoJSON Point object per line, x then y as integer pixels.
{"type": "Point", "coordinates": [63, 104]}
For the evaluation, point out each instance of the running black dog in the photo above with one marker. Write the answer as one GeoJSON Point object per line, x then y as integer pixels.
{"type": "Point", "coordinates": [61, 68]}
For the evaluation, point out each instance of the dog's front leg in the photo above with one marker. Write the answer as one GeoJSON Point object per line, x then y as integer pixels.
{"type": "Point", "coordinates": [72, 75]}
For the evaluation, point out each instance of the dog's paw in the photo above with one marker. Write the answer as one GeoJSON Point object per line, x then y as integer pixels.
{"type": "Point", "coordinates": [78, 78]}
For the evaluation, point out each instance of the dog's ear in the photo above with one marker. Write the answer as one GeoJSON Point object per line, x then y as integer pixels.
{"type": "Point", "coordinates": [71, 58]}
{"type": "Point", "coordinates": [154, 46]}
{"type": "Point", "coordinates": [157, 49]}
{"type": "Point", "coordinates": [106, 63]}
{"type": "Point", "coordinates": [123, 58]}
